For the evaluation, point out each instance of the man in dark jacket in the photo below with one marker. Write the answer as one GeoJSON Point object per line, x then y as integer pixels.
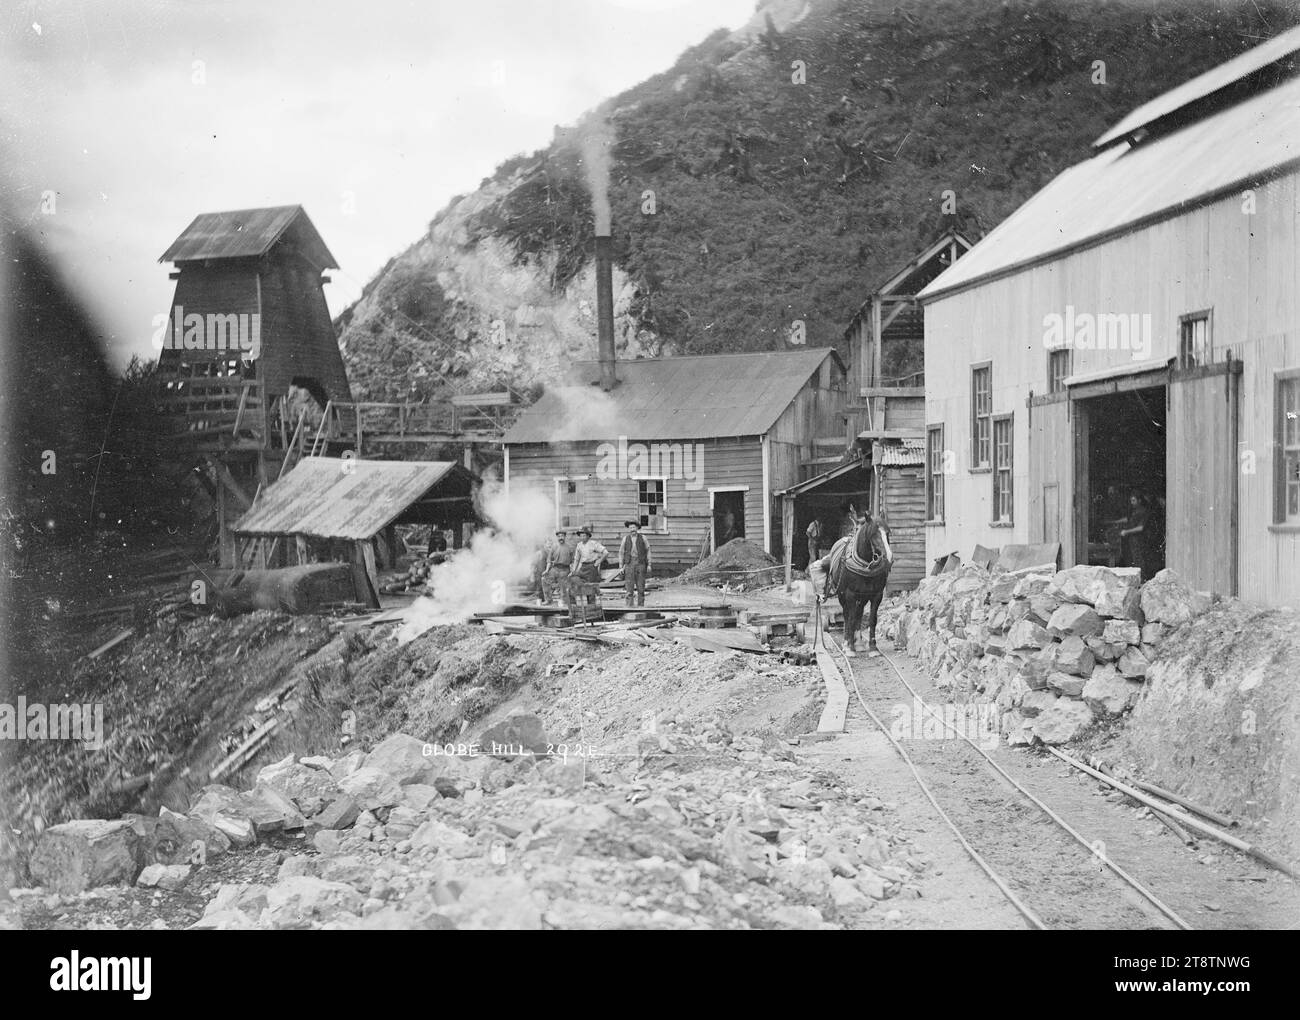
{"type": "Point", "coordinates": [634, 559]}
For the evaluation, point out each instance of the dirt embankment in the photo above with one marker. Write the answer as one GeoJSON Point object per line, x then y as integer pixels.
{"type": "Point", "coordinates": [1220, 720]}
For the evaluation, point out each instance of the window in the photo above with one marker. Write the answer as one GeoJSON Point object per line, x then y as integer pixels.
{"type": "Point", "coordinates": [651, 505]}
{"type": "Point", "coordinates": [1058, 367]}
{"type": "Point", "coordinates": [1287, 409]}
{"type": "Point", "coordinates": [934, 473]}
{"type": "Point", "coordinates": [1002, 455]}
{"type": "Point", "coordinates": [981, 406]}
{"type": "Point", "coordinates": [1194, 340]}
{"type": "Point", "coordinates": [570, 502]}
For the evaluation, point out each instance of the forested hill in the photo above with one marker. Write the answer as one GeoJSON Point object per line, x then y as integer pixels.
{"type": "Point", "coordinates": [792, 165]}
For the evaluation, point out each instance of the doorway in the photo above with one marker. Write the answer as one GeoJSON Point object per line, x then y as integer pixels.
{"type": "Point", "coordinates": [1123, 436]}
{"type": "Point", "coordinates": [728, 516]}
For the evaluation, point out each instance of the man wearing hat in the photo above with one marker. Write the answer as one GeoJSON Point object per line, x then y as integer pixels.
{"type": "Point", "coordinates": [588, 555]}
{"type": "Point", "coordinates": [559, 560]}
{"type": "Point", "coordinates": [634, 559]}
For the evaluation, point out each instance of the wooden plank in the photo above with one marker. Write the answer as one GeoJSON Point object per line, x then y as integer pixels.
{"type": "Point", "coordinates": [892, 434]}
{"type": "Point", "coordinates": [110, 644]}
{"type": "Point", "coordinates": [837, 694]}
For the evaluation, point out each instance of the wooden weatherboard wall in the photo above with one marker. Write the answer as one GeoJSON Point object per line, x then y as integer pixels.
{"type": "Point", "coordinates": [1244, 269]}
{"type": "Point", "coordinates": [735, 463]}
{"type": "Point", "coordinates": [902, 500]}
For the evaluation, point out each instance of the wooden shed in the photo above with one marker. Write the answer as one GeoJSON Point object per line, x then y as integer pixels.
{"type": "Point", "coordinates": [337, 508]}
{"type": "Point", "coordinates": [691, 446]}
{"type": "Point", "coordinates": [1131, 333]}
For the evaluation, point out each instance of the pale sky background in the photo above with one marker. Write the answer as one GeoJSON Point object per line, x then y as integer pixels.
{"type": "Point", "coordinates": [402, 103]}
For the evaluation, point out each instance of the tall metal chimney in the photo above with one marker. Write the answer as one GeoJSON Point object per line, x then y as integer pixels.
{"type": "Point", "coordinates": [605, 311]}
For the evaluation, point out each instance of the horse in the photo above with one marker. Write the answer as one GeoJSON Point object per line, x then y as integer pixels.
{"type": "Point", "coordinates": [856, 571]}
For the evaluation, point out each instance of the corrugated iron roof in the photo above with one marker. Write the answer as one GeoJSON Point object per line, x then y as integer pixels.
{"type": "Point", "coordinates": [242, 233]}
{"type": "Point", "coordinates": [329, 497]}
{"type": "Point", "coordinates": [693, 397]}
{"type": "Point", "coordinates": [1125, 185]}
{"type": "Point", "coordinates": [1216, 78]}
{"type": "Point", "coordinates": [904, 454]}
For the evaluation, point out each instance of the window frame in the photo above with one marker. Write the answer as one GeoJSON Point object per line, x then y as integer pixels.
{"type": "Point", "coordinates": [559, 504]}
{"type": "Point", "coordinates": [1282, 380]}
{"type": "Point", "coordinates": [998, 470]}
{"type": "Point", "coordinates": [662, 529]}
{"type": "Point", "coordinates": [977, 465]}
{"type": "Point", "coordinates": [1052, 352]}
{"type": "Point", "coordinates": [935, 488]}
{"type": "Point", "coordinates": [1205, 315]}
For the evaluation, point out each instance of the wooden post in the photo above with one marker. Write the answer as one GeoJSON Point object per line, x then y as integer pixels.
{"type": "Point", "coordinates": [875, 344]}
{"type": "Point", "coordinates": [787, 528]}
{"type": "Point", "coordinates": [300, 545]}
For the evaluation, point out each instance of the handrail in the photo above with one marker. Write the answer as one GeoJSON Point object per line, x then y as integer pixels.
{"type": "Point", "coordinates": [288, 450]}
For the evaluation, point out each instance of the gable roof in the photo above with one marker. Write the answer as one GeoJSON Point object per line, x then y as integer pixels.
{"type": "Point", "coordinates": [245, 233]}
{"type": "Point", "coordinates": [693, 397]}
{"type": "Point", "coordinates": [1126, 187]}
{"type": "Point", "coordinates": [328, 497]}
{"type": "Point", "coordinates": [1215, 79]}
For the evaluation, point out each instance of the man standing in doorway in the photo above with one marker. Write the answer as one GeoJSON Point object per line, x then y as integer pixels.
{"type": "Point", "coordinates": [634, 559]}
{"type": "Point", "coordinates": [814, 534]}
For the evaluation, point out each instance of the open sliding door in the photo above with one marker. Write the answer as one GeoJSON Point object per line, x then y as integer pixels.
{"type": "Point", "coordinates": [1201, 476]}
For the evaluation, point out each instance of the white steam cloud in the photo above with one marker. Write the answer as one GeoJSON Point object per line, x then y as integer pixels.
{"type": "Point", "coordinates": [596, 143]}
{"type": "Point", "coordinates": [478, 579]}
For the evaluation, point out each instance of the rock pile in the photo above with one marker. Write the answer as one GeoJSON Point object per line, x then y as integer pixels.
{"type": "Point", "coordinates": [1053, 650]}
{"type": "Point", "coordinates": [698, 828]}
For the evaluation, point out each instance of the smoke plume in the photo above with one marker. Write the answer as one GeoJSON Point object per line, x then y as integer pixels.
{"type": "Point", "coordinates": [596, 143]}
{"type": "Point", "coordinates": [478, 579]}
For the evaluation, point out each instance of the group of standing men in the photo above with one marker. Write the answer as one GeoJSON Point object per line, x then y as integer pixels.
{"type": "Point", "coordinates": [561, 562]}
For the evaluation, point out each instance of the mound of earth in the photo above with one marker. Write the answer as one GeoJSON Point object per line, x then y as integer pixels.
{"type": "Point", "coordinates": [737, 556]}
{"type": "Point", "coordinates": [1220, 721]}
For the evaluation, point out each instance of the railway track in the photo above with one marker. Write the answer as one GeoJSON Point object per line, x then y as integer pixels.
{"type": "Point", "coordinates": [1063, 894]}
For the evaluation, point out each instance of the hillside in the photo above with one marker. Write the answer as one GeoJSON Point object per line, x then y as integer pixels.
{"type": "Point", "coordinates": [775, 200]}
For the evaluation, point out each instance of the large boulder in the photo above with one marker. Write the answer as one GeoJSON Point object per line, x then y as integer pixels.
{"type": "Point", "coordinates": [1133, 663]}
{"type": "Point", "coordinates": [372, 788]}
{"type": "Point", "coordinates": [1167, 599]}
{"type": "Point", "coordinates": [1026, 634]}
{"type": "Point", "coordinates": [1043, 606]}
{"type": "Point", "coordinates": [403, 758]}
{"type": "Point", "coordinates": [1037, 702]}
{"type": "Point", "coordinates": [1122, 632]}
{"type": "Point", "coordinates": [310, 789]}
{"type": "Point", "coordinates": [1073, 656]}
{"type": "Point", "coordinates": [176, 838]}
{"type": "Point", "coordinates": [1104, 651]}
{"type": "Point", "coordinates": [76, 856]}
{"type": "Point", "coordinates": [222, 808]}
{"type": "Point", "coordinates": [1030, 585]}
{"type": "Point", "coordinates": [1066, 685]}
{"type": "Point", "coordinates": [1064, 721]}
{"type": "Point", "coordinates": [1112, 591]}
{"type": "Point", "coordinates": [1073, 619]}
{"type": "Point", "coordinates": [1107, 692]}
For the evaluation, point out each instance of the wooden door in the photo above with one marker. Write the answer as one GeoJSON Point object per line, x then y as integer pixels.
{"type": "Point", "coordinates": [1201, 477]}
{"type": "Point", "coordinates": [1051, 459]}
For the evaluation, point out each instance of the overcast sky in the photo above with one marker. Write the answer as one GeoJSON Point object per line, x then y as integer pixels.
{"type": "Point", "coordinates": [388, 106]}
